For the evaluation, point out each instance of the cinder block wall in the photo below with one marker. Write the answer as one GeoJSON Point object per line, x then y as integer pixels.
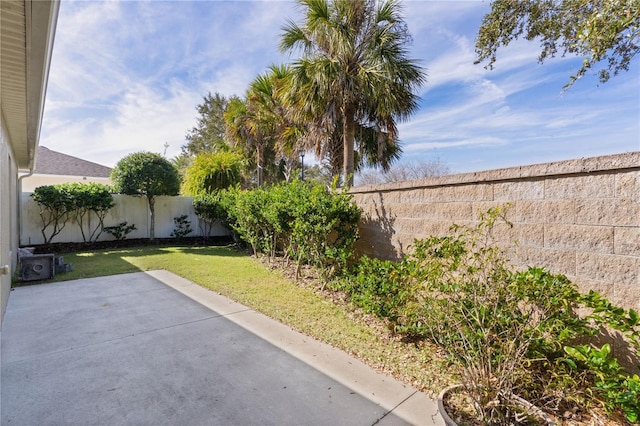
{"type": "Point", "coordinates": [580, 217]}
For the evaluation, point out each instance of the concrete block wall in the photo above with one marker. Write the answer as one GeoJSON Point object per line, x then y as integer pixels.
{"type": "Point", "coordinates": [580, 218]}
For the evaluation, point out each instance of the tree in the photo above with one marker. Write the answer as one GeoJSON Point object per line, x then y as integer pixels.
{"type": "Point", "coordinates": [243, 130]}
{"type": "Point", "coordinates": [208, 134]}
{"type": "Point", "coordinates": [410, 170]}
{"type": "Point", "coordinates": [261, 125]}
{"type": "Point", "coordinates": [353, 72]}
{"type": "Point", "coordinates": [267, 101]}
{"type": "Point", "coordinates": [317, 173]}
{"type": "Point", "coordinates": [599, 30]}
{"type": "Point", "coordinates": [76, 202]}
{"type": "Point", "coordinates": [56, 205]}
{"type": "Point", "coordinates": [146, 174]}
{"type": "Point", "coordinates": [212, 171]}
{"type": "Point", "coordinates": [90, 198]}
{"type": "Point", "coordinates": [210, 208]}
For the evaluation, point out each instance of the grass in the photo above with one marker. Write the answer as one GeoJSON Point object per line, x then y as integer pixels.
{"type": "Point", "coordinates": [247, 281]}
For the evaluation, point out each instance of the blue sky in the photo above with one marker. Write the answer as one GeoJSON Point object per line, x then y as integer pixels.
{"type": "Point", "coordinates": [127, 77]}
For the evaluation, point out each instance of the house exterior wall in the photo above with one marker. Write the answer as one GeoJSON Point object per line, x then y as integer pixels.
{"type": "Point", "coordinates": [32, 182]}
{"type": "Point", "coordinates": [27, 32]}
{"type": "Point", "coordinates": [580, 218]}
{"type": "Point", "coordinates": [8, 219]}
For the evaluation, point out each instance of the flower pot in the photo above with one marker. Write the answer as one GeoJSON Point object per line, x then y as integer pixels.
{"type": "Point", "coordinates": [448, 421]}
{"type": "Point", "coordinates": [530, 408]}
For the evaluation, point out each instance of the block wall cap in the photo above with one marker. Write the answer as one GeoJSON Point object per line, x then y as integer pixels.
{"type": "Point", "coordinates": [602, 164]}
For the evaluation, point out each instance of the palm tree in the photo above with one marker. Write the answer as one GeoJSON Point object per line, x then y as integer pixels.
{"type": "Point", "coordinates": [261, 122]}
{"type": "Point", "coordinates": [353, 76]}
{"type": "Point", "coordinates": [242, 129]}
{"type": "Point", "coordinates": [266, 100]}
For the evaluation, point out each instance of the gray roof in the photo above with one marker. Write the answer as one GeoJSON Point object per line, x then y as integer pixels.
{"type": "Point", "coordinates": [50, 162]}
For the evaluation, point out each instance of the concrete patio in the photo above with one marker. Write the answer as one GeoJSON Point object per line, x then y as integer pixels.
{"type": "Point", "coordinates": [153, 348]}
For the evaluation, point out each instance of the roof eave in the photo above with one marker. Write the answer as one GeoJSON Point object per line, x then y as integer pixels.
{"type": "Point", "coordinates": [44, 17]}
{"type": "Point", "coordinates": [24, 110]}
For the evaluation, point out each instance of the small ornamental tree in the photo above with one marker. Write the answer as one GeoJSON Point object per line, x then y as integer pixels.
{"type": "Point", "coordinates": [56, 206]}
{"type": "Point", "coordinates": [146, 174]}
{"type": "Point", "coordinates": [212, 171]}
{"type": "Point", "coordinates": [75, 202]}
{"type": "Point", "coordinates": [211, 208]}
{"type": "Point", "coordinates": [90, 198]}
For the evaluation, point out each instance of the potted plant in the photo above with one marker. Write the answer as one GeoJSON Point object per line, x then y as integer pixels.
{"type": "Point", "coordinates": [520, 349]}
{"type": "Point", "coordinates": [486, 317]}
{"type": "Point", "coordinates": [508, 331]}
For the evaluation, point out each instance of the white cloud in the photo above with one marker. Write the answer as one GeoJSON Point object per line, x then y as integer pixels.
{"type": "Point", "coordinates": [127, 76]}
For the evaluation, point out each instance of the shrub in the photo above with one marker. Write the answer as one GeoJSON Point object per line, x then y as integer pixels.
{"type": "Point", "coordinates": [212, 171]}
{"type": "Point", "coordinates": [307, 223]}
{"type": "Point", "coordinates": [90, 198]}
{"type": "Point", "coordinates": [55, 206]}
{"type": "Point", "coordinates": [375, 285]}
{"type": "Point", "coordinates": [76, 202]}
{"type": "Point", "coordinates": [248, 219]}
{"type": "Point", "coordinates": [211, 208]}
{"type": "Point", "coordinates": [182, 227]}
{"type": "Point", "coordinates": [325, 227]}
{"type": "Point", "coordinates": [508, 332]}
{"type": "Point", "coordinates": [120, 231]}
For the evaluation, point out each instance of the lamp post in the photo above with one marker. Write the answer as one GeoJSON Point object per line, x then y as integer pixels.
{"type": "Point", "coordinates": [302, 166]}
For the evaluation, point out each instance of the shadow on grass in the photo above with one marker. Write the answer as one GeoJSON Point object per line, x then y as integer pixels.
{"type": "Point", "coordinates": [99, 263]}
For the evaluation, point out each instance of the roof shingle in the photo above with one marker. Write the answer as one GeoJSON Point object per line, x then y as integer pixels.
{"type": "Point", "coordinates": [50, 162]}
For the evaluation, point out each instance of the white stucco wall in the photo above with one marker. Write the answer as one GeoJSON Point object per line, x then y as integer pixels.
{"type": "Point", "coordinates": [133, 210]}
{"type": "Point", "coordinates": [8, 219]}
{"type": "Point", "coordinates": [32, 182]}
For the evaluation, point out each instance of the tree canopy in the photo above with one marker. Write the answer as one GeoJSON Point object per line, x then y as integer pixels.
{"type": "Point", "coordinates": [403, 171]}
{"type": "Point", "coordinates": [148, 174]}
{"type": "Point", "coordinates": [353, 80]}
{"type": "Point", "coordinates": [606, 31]}
{"type": "Point", "coordinates": [261, 126]}
{"type": "Point", "coordinates": [208, 134]}
{"type": "Point", "coordinates": [212, 171]}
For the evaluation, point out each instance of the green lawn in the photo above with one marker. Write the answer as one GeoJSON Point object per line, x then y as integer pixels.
{"type": "Point", "coordinates": [245, 280]}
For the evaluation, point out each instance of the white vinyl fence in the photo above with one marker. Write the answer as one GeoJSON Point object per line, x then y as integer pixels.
{"type": "Point", "coordinates": [133, 210]}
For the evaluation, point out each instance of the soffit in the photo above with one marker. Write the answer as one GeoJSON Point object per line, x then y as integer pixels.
{"type": "Point", "coordinates": [13, 72]}
{"type": "Point", "coordinates": [26, 40]}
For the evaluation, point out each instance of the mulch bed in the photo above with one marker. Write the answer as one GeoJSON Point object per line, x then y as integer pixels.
{"type": "Point", "coordinates": [129, 243]}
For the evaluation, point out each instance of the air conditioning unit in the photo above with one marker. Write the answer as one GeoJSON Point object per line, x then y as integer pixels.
{"type": "Point", "coordinates": [36, 267]}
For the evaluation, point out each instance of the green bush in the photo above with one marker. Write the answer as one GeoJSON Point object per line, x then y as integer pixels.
{"type": "Point", "coordinates": [212, 171]}
{"type": "Point", "coordinates": [120, 231]}
{"type": "Point", "coordinates": [509, 332]}
{"type": "Point", "coordinates": [324, 227]}
{"type": "Point", "coordinates": [305, 222]}
{"type": "Point", "coordinates": [375, 285]}
{"type": "Point", "coordinates": [249, 220]}
{"type": "Point", "coordinates": [75, 202]}
{"type": "Point", "coordinates": [182, 226]}
{"type": "Point", "coordinates": [55, 206]}
{"type": "Point", "coordinates": [210, 209]}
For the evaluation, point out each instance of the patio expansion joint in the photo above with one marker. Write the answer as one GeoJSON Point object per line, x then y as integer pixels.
{"type": "Point", "coordinates": [390, 411]}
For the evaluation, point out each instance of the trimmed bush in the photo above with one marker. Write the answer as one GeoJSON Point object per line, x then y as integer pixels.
{"type": "Point", "coordinates": [303, 221]}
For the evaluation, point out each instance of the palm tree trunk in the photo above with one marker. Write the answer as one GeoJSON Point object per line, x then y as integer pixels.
{"type": "Point", "coordinates": [259, 154]}
{"type": "Point", "coordinates": [349, 144]}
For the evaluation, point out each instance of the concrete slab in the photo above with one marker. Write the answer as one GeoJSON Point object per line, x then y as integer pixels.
{"type": "Point", "coordinates": [130, 349]}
